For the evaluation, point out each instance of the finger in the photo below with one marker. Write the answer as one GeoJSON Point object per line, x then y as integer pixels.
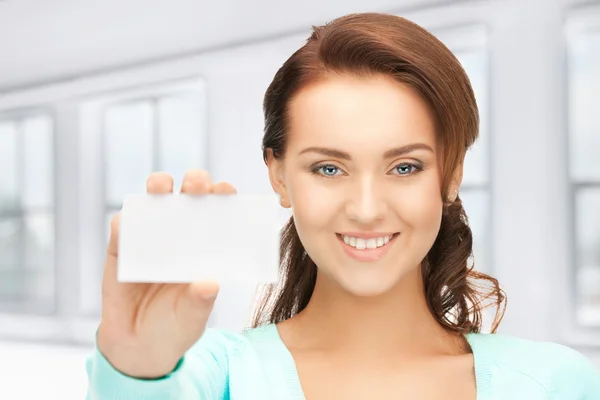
{"type": "Point", "coordinates": [194, 306]}
{"type": "Point", "coordinates": [113, 244]}
{"type": "Point", "coordinates": [159, 183]}
{"type": "Point", "coordinates": [224, 188]}
{"type": "Point", "coordinates": [196, 181]}
{"type": "Point", "coordinates": [205, 290]}
{"type": "Point", "coordinates": [110, 265]}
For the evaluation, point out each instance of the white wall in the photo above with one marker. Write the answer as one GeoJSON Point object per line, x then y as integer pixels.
{"type": "Point", "coordinates": [35, 371]}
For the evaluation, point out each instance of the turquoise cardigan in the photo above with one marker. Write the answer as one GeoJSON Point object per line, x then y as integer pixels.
{"type": "Point", "coordinates": [256, 365]}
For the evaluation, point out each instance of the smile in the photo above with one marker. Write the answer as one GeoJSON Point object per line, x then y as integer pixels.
{"type": "Point", "coordinates": [366, 247]}
{"type": "Point", "coordinates": [366, 243]}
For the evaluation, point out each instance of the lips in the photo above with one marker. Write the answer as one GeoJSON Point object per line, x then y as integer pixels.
{"type": "Point", "coordinates": [366, 249]}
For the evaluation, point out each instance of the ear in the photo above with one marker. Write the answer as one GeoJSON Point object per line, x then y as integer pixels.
{"type": "Point", "coordinates": [456, 181]}
{"type": "Point", "coordinates": [275, 167]}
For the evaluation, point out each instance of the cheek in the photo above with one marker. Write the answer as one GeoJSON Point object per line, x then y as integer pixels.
{"type": "Point", "coordinates": [314, 203]}
{"type": "Point", "coordinates": [423, 210]}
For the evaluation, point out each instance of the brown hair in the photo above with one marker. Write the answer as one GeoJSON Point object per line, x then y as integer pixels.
{"type": "Point", "coordinates": [368, 44]}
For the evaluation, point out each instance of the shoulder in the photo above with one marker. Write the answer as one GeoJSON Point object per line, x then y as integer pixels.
{"type": "Point", "coordinates": [224, 343]}
{"type": "Point", "coordinates": [556, 369]}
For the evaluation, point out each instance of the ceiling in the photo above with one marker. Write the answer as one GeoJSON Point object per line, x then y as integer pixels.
{"type": "Point", "coordinates": [45, 40]}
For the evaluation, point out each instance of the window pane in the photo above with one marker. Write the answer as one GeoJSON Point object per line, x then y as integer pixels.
{"type": "Point", "coordinates": [38, 242]}
{"type": "Point", "coordinates": [129, 149]}
{"type": "Point", "coordinates": [29, 285]}
{"type": "Point", "coordinates": [477, 158]}
{"type": "Point", "coordinates": [9, 198]}
{"type": "Point", "coordinates": [39, 162]}
{"type": "Point", "coordinates": [182, 134]}
{"type": "Point", "coordinates": [26, 291]}
{"type": "Point", "coordinates": [476, 204]}
{"type": "Point", "coordinates": [10, 243]}
{"type": "Point", "coordinates": [587, 220]}
{"type": "Point", "coordinates": [584, 90]}
{"type": "Point", "coordinates": [38, 259]}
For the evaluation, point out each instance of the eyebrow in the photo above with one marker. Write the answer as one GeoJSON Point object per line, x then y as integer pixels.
{"type": "Point", "coordinates": [396, 152]}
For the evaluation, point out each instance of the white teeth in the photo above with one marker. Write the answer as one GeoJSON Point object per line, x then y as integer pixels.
{"type": "Point", "coordinates": [362, 244]}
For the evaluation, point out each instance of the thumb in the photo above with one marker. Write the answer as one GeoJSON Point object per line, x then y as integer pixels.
{"type": "Point", "coordinates": [195, 305]}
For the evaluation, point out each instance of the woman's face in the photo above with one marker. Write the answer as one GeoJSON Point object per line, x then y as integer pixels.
{"type": "Point", "coordinates": [362, 176]}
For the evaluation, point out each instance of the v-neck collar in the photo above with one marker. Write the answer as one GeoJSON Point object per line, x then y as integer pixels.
{"type": "Point", "coordinates": [483, 365]}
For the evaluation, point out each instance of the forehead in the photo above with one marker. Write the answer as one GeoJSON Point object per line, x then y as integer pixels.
{"type": "Point", "coordinates": [358, 114]}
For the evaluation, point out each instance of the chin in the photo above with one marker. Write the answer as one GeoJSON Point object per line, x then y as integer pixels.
{"type": "Point", "coordinates": [369, 284]}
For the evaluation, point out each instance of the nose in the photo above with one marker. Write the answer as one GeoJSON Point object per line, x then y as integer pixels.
{"type": "Point", "coordinates": [366, 203]}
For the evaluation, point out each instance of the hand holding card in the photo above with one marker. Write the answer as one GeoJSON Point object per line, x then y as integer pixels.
{"type": "Point", "coordinates": [147, 327]}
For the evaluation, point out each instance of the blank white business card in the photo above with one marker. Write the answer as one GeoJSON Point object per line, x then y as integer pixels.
{"type": "Point", "coordinates": [179, 238]}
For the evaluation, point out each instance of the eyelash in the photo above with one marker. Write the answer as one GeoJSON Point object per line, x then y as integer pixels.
{"type": "Point", "coordinates": [416, 168]}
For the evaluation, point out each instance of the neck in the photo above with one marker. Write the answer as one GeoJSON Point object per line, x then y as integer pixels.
{"type": "Point", "coordinates": [398, 321]}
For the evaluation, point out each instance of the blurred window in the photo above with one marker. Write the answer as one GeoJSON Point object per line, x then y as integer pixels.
{"type": "Point", "coordinates": [469, 45]}
{"type": "Point", "coordinates": [584, 169]}
{"type": "Point", "coordinates": [166, 133]}
{"type": "Point", "coordinates": [27, 214]}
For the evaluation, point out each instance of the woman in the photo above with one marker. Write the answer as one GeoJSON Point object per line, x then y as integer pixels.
{"type": "Point", "coordinates": [366, 129]}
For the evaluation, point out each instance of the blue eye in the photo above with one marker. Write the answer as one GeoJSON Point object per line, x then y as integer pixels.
{"type": "Point", "coordinates": [328, 170]}
{"type": "Point", "coordinates": [406, 169]}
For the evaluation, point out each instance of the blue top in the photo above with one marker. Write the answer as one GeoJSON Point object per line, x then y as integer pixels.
{"type": "Point", "coordinates": [256, 364]}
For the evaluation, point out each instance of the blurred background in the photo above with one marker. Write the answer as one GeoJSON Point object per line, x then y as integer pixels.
{"type": "Point", "coordinates": [95, 95]}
